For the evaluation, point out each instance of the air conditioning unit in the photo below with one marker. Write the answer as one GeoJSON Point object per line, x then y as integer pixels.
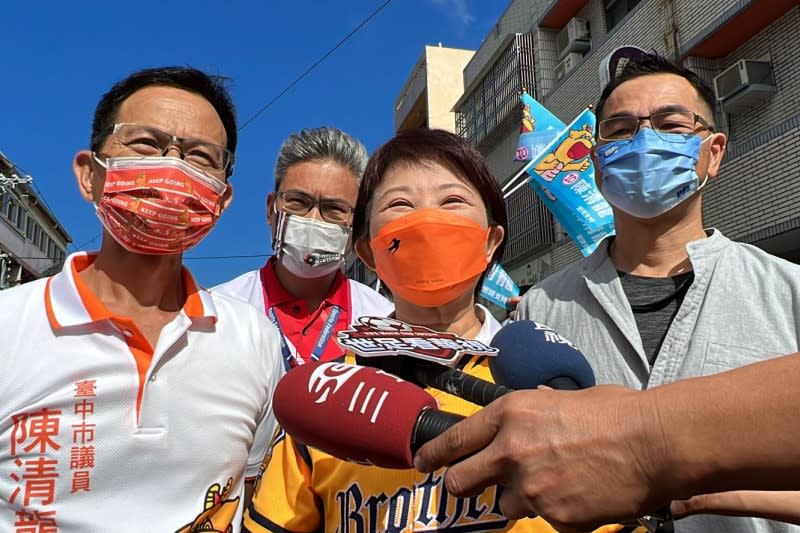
{"type": "Point", "coordinates": [574, 38]}
{"type": "Point", "coordinates": [567, 64]}
{"type": "Point", "coordinates": [746, 83]}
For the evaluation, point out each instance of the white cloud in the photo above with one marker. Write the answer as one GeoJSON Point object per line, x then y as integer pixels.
{"type": "Point", "coordinates": [457, 9]}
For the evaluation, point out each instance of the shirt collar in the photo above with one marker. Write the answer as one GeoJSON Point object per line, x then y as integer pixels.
{"type": "Point", "coordinates": [710, 244]}
{"type": "Point", "coordinates": [278, 295]}
{"type": "Point", "coordinates": [70, 302]}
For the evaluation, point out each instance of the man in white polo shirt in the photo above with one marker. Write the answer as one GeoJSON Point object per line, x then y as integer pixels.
{"type": "Point", "coordinates": [132, 400]}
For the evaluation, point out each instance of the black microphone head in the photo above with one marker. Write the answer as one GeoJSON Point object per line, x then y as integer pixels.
{"type": "Point", "coordinates": [399, 365]}
{"type": "Point", "coordinates": [532, 354]}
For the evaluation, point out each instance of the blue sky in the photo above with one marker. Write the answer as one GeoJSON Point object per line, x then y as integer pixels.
{"type": "Point", "coordinates": [59, 57]}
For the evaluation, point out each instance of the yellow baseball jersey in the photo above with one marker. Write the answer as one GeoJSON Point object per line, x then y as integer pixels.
{"type": "Point", "coordinates": [302, 490]}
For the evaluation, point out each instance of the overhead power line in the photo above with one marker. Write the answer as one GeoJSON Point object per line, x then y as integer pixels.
{"type": "Point", "coordinates": [316, 63]}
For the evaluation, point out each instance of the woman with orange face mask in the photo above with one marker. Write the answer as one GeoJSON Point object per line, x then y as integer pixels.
{"type": "Point", "coordinates": [430, 219]}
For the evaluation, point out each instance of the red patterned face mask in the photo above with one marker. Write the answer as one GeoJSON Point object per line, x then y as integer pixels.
{"type": "Point", "coordinates": [158, 205]}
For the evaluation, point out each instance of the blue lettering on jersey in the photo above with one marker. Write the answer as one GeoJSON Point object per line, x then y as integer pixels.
{"type": "Point", "coordinates": [437, 510]}
{"type": "Point", "coordinates": [346, 516]}
{"type": "Point", "coordinates": [399, 507]}
{"type": "Point", "coordinates": [372, 504]}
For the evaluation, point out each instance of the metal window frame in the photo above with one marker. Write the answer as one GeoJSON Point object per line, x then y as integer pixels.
{"type": "Point", "coordinates": [530, 225]}
{"type": "Point", "coordinates": [493, 104]}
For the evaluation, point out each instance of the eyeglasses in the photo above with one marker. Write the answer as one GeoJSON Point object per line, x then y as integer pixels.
{"type": "Point", "coordinates": [153, 142]}
{"type": "Point", "coordinates": [299, 203]}
{"type": "Point", "coordinates": [625, 127]}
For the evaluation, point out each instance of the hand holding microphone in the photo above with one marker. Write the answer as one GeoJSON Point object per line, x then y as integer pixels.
{"type": "Point", "coordinates": [577, 458]}
{"type": "Point", "coordinates": [366, 415]}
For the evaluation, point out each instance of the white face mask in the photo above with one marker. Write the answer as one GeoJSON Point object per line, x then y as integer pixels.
{"type": "Point", "coordinates": [309, 248]}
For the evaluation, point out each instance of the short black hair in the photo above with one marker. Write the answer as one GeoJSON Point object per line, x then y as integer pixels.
{"type": "Point", "coordinates": [657, 64]}
{"type": "Point", "coordinates": [418, 147]}
{"type": "Point", "coordinates": [190, 79]}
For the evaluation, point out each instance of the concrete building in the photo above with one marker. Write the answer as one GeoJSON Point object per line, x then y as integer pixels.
{"type": "Point", "coordinates": [435, 84]}
{"type": "Point", "coordinates": [749, 49]}
{"type": "Point", "coordinates": [33, 243]}
{"type": "Point", "coordinates": [425, 101]}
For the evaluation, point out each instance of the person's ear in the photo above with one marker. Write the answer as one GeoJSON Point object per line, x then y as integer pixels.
{"type": "Point", "coordinates": [496, 234]}
{"type": "Point", "coordinates": [89, 178]}
{"type": "Point", "coordinates": [364, 252]}
{"type": "Point", "coordinates": [716, 151]}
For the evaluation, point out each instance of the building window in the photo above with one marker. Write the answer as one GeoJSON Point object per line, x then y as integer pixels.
{"type": "Point", "coordinates": [20, 219]}
{"type": "Point", "coordinates": [5, 201]}
{"type": "Point", "coordinates": [494, 103]}
{"type": "Point", "coordinates": [30, 226]}
{"type": "Point", "coordinates": [616, 10]}
{"type": "Point", "coordinates": [11, 211]}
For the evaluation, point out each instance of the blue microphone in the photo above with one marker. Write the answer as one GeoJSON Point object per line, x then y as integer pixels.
{"type": "Point", "coordinates": [532, 354]}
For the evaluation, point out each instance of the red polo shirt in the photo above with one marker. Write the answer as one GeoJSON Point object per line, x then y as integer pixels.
{"type": "Point", "coordinates": [300, 326]}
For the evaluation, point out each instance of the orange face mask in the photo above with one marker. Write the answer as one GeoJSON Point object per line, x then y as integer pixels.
{"type": "Point", "coordinates": [430, 257]}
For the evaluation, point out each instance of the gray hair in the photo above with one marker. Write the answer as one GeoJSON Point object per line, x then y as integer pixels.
{"type": "Point", "coordinates": [321, 144]}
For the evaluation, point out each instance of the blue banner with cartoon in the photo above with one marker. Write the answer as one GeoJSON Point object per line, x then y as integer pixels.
{"type": "Point", "coordinates": [565, 169]}
{"type": "Point", "coordinates": [539, 127]}
{"type": "Point", "coordinates": [498, 286]}
{"type": "Point", "coordinates": [562, 174]}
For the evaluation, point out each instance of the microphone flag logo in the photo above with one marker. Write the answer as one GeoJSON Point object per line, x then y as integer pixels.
{"type": "Point", "coordinates": [381, 336]}
{"type": "Point", "coordinates": [328, 378]}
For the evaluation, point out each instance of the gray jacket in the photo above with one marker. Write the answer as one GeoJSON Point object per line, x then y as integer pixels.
{"type": "Point", "coordinates": [743, 307]}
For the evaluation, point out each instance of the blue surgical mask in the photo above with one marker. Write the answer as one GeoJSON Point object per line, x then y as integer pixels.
{"type": "Point", "coordinates": [651, 173]}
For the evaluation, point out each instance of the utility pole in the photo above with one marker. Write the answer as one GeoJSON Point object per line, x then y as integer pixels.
{"type": "Point", "coordinates": [7, 183]}
{"type": "Point", "coordinates": [4, 270]}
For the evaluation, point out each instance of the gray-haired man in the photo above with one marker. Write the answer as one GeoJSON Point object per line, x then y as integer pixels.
{"type": "Point", "coordinates": [302, 288]}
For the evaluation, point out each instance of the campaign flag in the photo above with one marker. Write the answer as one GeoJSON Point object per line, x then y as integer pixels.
{"type": "Point", "coordinates": [565, 169]}
{"type": "Point", "coordinates": [586, 238]}
{"type": "Point", "coordinates": [538, 128]}
{"type": "Point", "coordinates": [561, 172]}
{"type": "Point", "coordinates": [498, 286]}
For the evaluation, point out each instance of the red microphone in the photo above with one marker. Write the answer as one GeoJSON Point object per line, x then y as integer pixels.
{"type": "Point", "coordinates": [358, 413]}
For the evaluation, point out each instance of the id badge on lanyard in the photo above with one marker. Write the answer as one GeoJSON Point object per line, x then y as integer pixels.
{"type": "Point", "coordinates": [290, 359]}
